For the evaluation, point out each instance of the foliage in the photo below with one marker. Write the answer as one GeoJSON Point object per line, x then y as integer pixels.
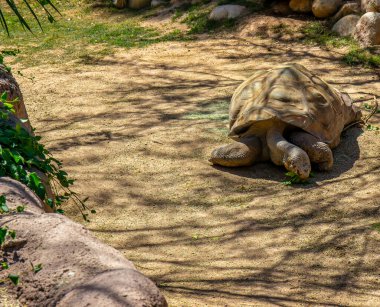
{"type": "Point", "coordinates": [32, 7]}
{"type": "Point", "coordinates": [363, 57]}
{"type": "Point", "coordinates": [36, 268]}
{"type": "Point", "coordinates": [6, 233]}
{"type": "Point", "coordinates": [69, 38]}
{"type": "Point", "coordinates": [15, 279]}
{"type": "Point", "coordinates": [3, 206]}
{"type": "Point", "coordinates": [318, 33]}
{"type": "Point", "coordinates": [21, 152]}
{"type": "Point", "coordinates": [215, 110]}
{"type": "Point", "coordinates": [293, 178]}
{"type": "Point", "coordinates": [195, 16]}
{"type": "Point", "coordinates": [376, 227]}
{"type": "Point", "coordinates": [368, 107]}
{"type": "Point", "coordinates": [372, 128]}
{"type": "Point", "coordinates": [199, 22]}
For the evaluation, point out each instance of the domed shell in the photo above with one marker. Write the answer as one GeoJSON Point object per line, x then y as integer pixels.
{"type": "Point", "coordinates": [294, 95]}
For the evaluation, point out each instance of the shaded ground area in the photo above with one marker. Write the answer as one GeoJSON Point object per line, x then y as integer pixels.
{"type": "Point", "coordinates": [136, 130]}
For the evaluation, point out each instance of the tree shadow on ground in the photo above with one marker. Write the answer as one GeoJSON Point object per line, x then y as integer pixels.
{"type": "Point", "coordinates": [137, 133]}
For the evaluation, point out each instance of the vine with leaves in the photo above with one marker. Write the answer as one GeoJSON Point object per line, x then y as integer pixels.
{"type": "Point", "coordinates": [21, 152]}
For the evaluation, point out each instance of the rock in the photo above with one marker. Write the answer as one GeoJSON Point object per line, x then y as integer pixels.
{"type": "Point", "coordinates": [281, 7]}
{"type": "Point", "coordinates": [346, 9]}
{"type": "Point", "coordinates": [9, 84]}
{"type": "Point", "coordinates": [176, 3]}
{"type": "Point", "coordinates": [117, 288]}
{"type": "Point", "coordinates": [325, 8]}
{"type": "Point", "coordinates": [346, 25]}
{"type": "Point", "coordinates": [370, 6]}
{"type": "Point", "coordinates": [120, 4]}
{"type": "Point", "coordinates": [72, 260]}
{"type": "Point", "coordinates": [138, 4]}
{"type": "Point", "coordinates": [156, 3]}
{"type": "Point", "coordinates": [228, 11]}
{"type": "Point", "coordinates": [367, 30]}
{"type": "Point", "coordinates": [17, 194]}
{"type": "Point", "coordinates": [301, 6]}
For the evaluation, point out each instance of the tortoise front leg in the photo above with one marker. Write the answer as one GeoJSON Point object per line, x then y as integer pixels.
{"type": "Point", "coordinates": [318, 152]}
{"type": "Point", "coordinates": [242, 153]}
{"type": "Point", "coordinates": [285, 153]}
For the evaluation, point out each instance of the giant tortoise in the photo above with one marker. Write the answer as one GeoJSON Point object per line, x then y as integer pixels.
{"type": "Point", "coordinates": [287, 115]}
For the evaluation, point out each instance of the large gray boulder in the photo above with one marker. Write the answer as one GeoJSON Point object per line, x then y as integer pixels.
{"type": "Point", "coordinates": [17, 194]}
{"type": "Point", "coordinates": [116, 288]}
{"type": "Point", "coordinates": [346, 26]}
{"type": "Point", "coordinates": [76, 267]}
{"type": "Point", "coordinates": [325, 8]}
{"type": "Point", "coordinates": [350, 8]}
{"type": "Point", "coordinates": [367, 31]}
{"type": "Point", "coordinates": [370, 6]}
{"type": "Point", "coordinates": [228, 11]}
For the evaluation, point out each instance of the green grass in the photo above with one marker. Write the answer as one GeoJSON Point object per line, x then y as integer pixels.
{"type": "Point", "coordinates": [362, 57]}
{"type": "Point", "coordinates": [318, 33]}
{"type": "Point", "coordinates": [213, 111]}
{"type": "Point", "coordinates": [195, 16]}
{"type": "Point", "coordinates": [79, 35]}
{"type": "Point", "coordinates": [376, 227]}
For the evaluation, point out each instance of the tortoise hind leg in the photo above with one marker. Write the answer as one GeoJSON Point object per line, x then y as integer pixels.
{"type": "Point", "coordinates": [242, 153]}
{"type": "Point", "coordinates": [318, 152]}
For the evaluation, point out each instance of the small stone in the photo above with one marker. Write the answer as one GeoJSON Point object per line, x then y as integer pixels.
{"type": "Point", "coordinates": [228, 11]}
{"type": "Point", "coordinates": [156, 3]}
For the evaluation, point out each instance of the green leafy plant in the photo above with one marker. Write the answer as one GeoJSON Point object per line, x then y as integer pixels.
{"type": "Point", "coordinates": [4, 53]}
{"type": "Point", "coordinates": [293, 178]}
{"type": "Point", "coordinates": [319, 33]}
{"type": "Point", "coordinates": [368, 107]}
{"type": "Point", "coordinates": [14, 278]}
{"type": "Point", "coordinates": [20, 209]}
{"type": "Point", "coordinates": [5, 265]}
{"type": "Point", "coordinates": [21, 153]}
{"type": "Point", "coordinates": [372, 128]}
{"type": "Point", "coordinates": [30, 6]}
{"type": "Point", "coordinates": [3, 205]}
{"type": "Point", "coordinates": [358, 56]}
{"type": "Point", "coordinates": [5, 233]}
{"type": "Point", "coordinates": [376, 227]}
{"type": "Point", "coordinates": [36, 268]}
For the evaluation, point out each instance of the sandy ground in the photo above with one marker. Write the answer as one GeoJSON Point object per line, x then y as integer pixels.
{"type": "Point", "coordinates": [136, 130]}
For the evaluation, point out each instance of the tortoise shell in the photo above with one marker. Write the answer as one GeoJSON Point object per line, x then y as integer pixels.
{"type": "Point", "coordinates": [294, 95]}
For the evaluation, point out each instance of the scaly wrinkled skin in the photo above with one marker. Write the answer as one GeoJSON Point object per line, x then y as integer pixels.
{"type": "Point", "coordinates": [289, 116]}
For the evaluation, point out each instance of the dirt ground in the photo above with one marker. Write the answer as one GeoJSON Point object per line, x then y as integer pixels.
{"type": "Point", "coordinates": [136, 130]}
